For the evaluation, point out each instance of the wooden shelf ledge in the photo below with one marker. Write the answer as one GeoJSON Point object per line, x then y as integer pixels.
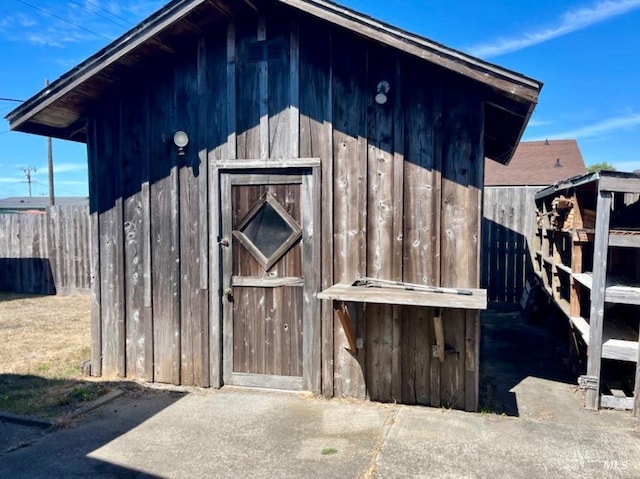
{"type": "Point", "coordinates": [616, 290]}
{"type": "Point", "coordinates": [382, 295]}
{"type": "Point", "coordinates": [618, 342]}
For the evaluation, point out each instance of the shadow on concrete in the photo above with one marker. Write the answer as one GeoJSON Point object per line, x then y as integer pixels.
{"type": "Point", "coordinates": [514, 349]}
{"type": "Point", "coordinates": [32, 450]}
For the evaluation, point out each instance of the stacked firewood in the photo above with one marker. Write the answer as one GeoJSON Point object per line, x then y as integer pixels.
{"type": "Point", "coordinates": [562, 216]}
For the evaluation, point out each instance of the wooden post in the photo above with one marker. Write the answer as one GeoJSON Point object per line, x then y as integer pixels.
{"type": "Point", "coordinates": [600, 247]}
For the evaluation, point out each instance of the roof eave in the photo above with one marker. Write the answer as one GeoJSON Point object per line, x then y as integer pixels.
{"type": "Point", "coordinates": [510, 84]}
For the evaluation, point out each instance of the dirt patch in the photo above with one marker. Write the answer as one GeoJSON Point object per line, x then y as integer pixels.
{"type": "Point", "coordinates": [43, 342]}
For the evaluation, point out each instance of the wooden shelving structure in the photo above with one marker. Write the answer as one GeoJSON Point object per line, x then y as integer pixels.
{"type": "Point", "coordinates": [587, 257]}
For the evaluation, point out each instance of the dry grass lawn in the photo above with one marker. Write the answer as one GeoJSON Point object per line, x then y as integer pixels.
{"type": "Point", "coordinates": [44, 335]}
{"type": "Point", "coordinates": [43, 342]}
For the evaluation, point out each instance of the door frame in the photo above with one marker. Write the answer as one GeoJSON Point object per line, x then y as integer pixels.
{"type": "Point", "coordinates": [221, 321]}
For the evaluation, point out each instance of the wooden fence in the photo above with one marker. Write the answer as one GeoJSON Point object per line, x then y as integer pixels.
{"type": "Point", "coordinates": [507, 228]}
{"type": "Point", "coordinates": [45, 253]}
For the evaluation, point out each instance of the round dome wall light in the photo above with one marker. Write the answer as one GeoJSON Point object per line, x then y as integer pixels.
{"type": "Point", "coordinates": [181, 140]}
{"type": "Point", "coordinates": [381, 92]}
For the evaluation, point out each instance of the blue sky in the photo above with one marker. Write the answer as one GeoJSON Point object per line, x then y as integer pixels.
{"type": "Point", "coordinates": [587, 53]}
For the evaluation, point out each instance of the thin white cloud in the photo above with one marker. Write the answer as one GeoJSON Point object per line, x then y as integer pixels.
{"type": "Point", "coordinates": [534, 123]}
{"type": "Point", "coordinates": [9, 179]}
{"type": "Point", "coordinates": [63, 168]}
{"type": "Point", "coordinates": [76, 24]}
{"type": "Point", "coordinates": [570, 21]}
{"type": "Point", "coordinates": [627, 122]}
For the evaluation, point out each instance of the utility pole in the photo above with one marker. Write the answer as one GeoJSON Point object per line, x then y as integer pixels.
{"type": "Point", "coordinates": [27, 174]}
{"type": "Point", "coordinates": [52, 198]}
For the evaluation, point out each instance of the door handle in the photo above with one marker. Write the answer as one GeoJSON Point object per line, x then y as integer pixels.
{"type": "Point", "coordinates": [228, 293]}
{"type": "Point", "coordinates": [223, 242]}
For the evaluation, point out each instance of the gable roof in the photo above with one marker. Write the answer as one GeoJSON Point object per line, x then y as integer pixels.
{"type": "Point", "coordinates": [60, 109]}
{"type": "Point", "coordinates": [537, 163]}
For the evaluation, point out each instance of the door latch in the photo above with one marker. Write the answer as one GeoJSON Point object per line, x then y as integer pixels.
{"type": "Point", "coordinates": [224, 242]}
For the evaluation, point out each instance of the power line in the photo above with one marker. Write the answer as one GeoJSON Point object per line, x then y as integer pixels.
{"type": "Point", "coordinates": [11, 99]}
{"type": "Point", "coordinates": [97, 9]}
{"type": "Point", "coordinates": [62, 19]}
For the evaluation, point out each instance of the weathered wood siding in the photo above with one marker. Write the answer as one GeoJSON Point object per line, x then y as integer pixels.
{"type": "Point", "coordinates": [401, 191]}
{"type": "Point", "coordinates": [45, 253]}
{"type": "Point", "coordinates": [507, 230]}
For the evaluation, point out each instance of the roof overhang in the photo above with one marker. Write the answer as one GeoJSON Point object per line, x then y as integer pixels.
{"type": "Point", "coordinates": [60, 109]}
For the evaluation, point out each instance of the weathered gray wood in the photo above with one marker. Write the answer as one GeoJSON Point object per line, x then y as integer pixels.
{"type": "Point", "coordinates": [472, 360]}
{"type": "Point", "coordinates": [227, 267]}
{"type": "Point", "coordinates": [145, 198]}
{"type": "Point", "coordinates": [281, 80]}
{"type": "Point", "coordinates": [624, 239]}
{"type": "Point", "coordinates": [94, 258]}
{"type": "Point", "coordinates": [232, 58]}
{"type": "Point", "coordinates": [420, 47]}
{"type": "Point", "coordinates": [242, 281]}
{"type": "Point", "coordinates": [618, 184]}
{"type": "Point", "coordinates": [272, 163]}
{"type": "Point", "coordinates": [381, 203]}
{"type": "Point", "coordinates": [134, 140]}
{"type": "Point", "coordinates": [397, 228]}
{"type": "Point", "coordinates": [202, 127]}
{"type": "Point", "coordinates": [349, 62]}
{"type": "Point", "coordinates": [316, 140]}
{"type": "Point", "coordinates": [111, 246]}
{"type": "Point", "coordinates": [220, 142]}
{"type": "Point", "coordinates": [498, 249]}
{"type": "Point", "coordinates": [165, 252]}
{"type": "Point", "coordinates": [461, 207]}
{"type": "Point", "coordinates": [311, 343]}
{"type": "Point", "coordinates": [347, 292]}
{"type": "Point", "coordinates": [263, 94]}
{"type": "Point", "coordinates": [596, 316]}
{"type": "Point", "coordinates": [193, 312]}
{"type": "Point", "coordinates": [613, 402]}
{"type": "Point", "coordinates": [250, 126]}
{"type": "Point", "coordinates": [294, 89]}
{"type": "Point", "coordinates": [289, 383]}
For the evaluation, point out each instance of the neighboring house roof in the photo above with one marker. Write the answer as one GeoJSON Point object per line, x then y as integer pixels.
{"type": "Point", "coordinates": [60, 109]}
{"type": "Point", "coordinates": [39, 203]}
{"type": "Point", "coordinates": [537, 163]}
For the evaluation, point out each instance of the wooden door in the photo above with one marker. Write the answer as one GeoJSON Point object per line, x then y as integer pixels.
{"type": "Point", "coordinates": [269, 279]}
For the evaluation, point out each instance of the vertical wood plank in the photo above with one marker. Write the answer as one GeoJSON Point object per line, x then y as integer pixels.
{"type": "Point", "coordinates": [349, 61]}
{"type": "Point", "coordinates": [279, 91]}
{"type": "Point", "coordinates": [398, 228]}
{"type": "Point", "coordinates": [461, 213]}
{"type": "Point", "coordinates": [190, 170]}
{"type": "Point", "coordinates": [147, 290]}
{"type": "Point", "coordinates": [111, 248]}
{"type": "Point", "coordinates": [94, 245]}
{"type": "Point", "coordinates": [165, 251]}
{"type": "Point", "coordinates": [133, 142]}
{"type": "Point", "coordinates": [204, 248]}
{"type": "Point", "coordinates": [263, 93]}
{"type": "Point", "coordinates": [232, 59]}
{"type": "Point", "coordinates": [381, 202]}
{"type": "Point", "coordinates": [230, 354]}
{"type": "Point", "coordinates": [294, 90]}
{"type": "Point", "coordinates": [316, 140]}
{"type": "Point", "coordinates": [596, 316]}
{"type": "Point", "coordinates": [221, 143]}
{"type": "Point", "coordinates": [311, 356]}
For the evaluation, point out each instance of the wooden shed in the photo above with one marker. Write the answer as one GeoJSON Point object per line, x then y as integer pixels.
{"type": "Point", "coordinates": [323, 146]}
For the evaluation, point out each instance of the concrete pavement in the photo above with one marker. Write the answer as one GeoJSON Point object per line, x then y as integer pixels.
{"type": "Point", "coordinates": [249, 433]}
